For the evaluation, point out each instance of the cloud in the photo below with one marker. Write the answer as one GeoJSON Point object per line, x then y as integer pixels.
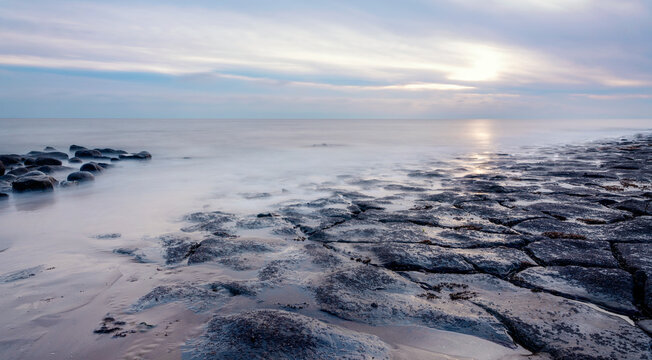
{"type": "Point", "coordinates": [156, 39]}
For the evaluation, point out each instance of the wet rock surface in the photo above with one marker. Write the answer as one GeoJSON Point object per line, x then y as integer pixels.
{"type": "Point", "coordinates": [547, 251]}
{"type": "Point", "coordinates": [277, 334]}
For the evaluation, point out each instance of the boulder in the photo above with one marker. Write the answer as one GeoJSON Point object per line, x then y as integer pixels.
{"type": "Point", "coordinates": [11, 159]}
{"type": "Point", "coordinates": [75, 148]}
{"type": "Point", "coordinates": [19, 171]}
{"type": "Point", "coordinates": [88, 154]}
{"type": "Point", "coordinates": [2, 168]}
{"type": "Point", "coordinates": [92, 167]}
{"type": "Point", "coordinates": [110, 152]}
{"type": "Point", "coordinates": [48, 169]}
{"type": "Point", "coordinates": [49, 148]}
{"type": "Point", "coordinates": [75, 160]}
{"type": "Point", "coordinates": [143, 155]}
{"type": "Point", "coordinates": [40, 161]}
{"type": "Point", "coordinates": [81, 176]}
{"type": "Point", "coordinates": [34, 182]}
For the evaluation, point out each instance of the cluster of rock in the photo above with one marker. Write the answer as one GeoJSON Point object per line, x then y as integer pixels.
{"type": "Point", "coordinates": [38, 170]}
{"type": "Point", "coordinates": [551, 252]}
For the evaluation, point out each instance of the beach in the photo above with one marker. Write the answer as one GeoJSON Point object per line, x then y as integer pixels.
{"type": "Point", "coordinates": [327, 239]}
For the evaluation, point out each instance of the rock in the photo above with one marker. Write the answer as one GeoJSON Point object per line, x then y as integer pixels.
{"type": "Point", "coordinates": [4, 196]}
{"type": "Point", "coordinates": [197, 298]}
{"type": "Point", "coordinates": [177, 248]}
{"type": "Point", "coordinates": [578, 210]}
{"type": "Point", "coordinates": [75, 148]}
{"type": "Point", "coordinates": [401, 256]}
{"type": "Point", "coordinates": [637, 258]}
{"type": "Point", "coordinates": [111, 152]}
{"type": "Point", "coordinates": [47, 161]}
{"type": "Point", "coordinates": [88, 154]}
{"type": "Point", "coordinates": [92, 167]}
{"type": "Point", "coordinates": [75, 160]}
{"type": "Point", "coordinates": [55, 155]}
{"type": "Point", "coordinates": [278, 334]}
{"type": "Point", "coordinates": [610, 288]}
{"type": "Point", "coordinates": [376, 296]}
{"type": "Point", "coordinates": [11, 159]}
{"type": "Point", "coordinates": [81, 176]}
{"type": "Point", "coordinates": [19, 171]}
{"type": "Point", "coordinates": [636, 207]}
{"type": "Point", "coordinates": [573, 252]}
{"type": "Point", "coordinates": [36, 182]}
{"type": "Point", "coordinates": [544, 323]}
{"type": "Point", "coordinates": [20, 274]}
{"type": "Point", "coordinates": [2, 168]}
{"type": "Point", "coordinates": [226, 251]}
{"type": "Point", "coordinates": [143, 155]}
{"type": "Point", "coordinates": [49, 169]}
{"type": "Point", "coordinates": [498, 261]}
{"type": "Point", "coordinates": [635, 230]}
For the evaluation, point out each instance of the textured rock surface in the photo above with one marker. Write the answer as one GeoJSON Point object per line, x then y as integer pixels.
{"type": "Point", "coordinates": [276, 334]}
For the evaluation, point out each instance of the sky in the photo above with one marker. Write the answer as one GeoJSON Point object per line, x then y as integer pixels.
{"type": "Point", "coordinates": [530, 59]}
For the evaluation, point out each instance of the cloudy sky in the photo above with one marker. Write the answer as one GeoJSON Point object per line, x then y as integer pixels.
{"type": "Point", "coordinates": [533, 59]}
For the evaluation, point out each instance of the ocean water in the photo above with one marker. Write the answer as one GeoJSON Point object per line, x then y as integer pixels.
{"type": "Point", "coordinates": [239, 166]}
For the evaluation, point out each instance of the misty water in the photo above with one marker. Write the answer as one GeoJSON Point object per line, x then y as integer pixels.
{"type": "Point", "coordinates": [237, 166]}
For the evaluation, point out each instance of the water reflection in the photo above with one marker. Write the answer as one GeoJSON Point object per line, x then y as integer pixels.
{"type": "Point", "coordinates": [481, 132]}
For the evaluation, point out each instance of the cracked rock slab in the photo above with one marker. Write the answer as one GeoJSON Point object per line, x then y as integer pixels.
{"type": "Point", "coordinates": [610, 288]}
{"type": "Point", "coordinates": [544, 323]}
{"type": "Point", "coordinates": [573, 252]}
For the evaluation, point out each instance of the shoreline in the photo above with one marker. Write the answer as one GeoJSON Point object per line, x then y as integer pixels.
{"type": "Point", "coordinates": [507, 249]}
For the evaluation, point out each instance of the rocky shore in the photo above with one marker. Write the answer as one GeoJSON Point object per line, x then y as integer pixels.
{"type": "Point", "coordinates": [41, 170]}
{"type": "Point", "coordinates": [549, 252]}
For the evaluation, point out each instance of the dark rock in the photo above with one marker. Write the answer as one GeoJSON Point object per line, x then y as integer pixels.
{"type": "Point", "coordinates": [49, 169]}
{"type": "Point", "coordinates": [376, 296]}
{"type": "Point", "coordinates": [75, 160]}
{"type": "Point", "coordinates": [277, 334]}
{"type": "Point", "coordinates": [47, 161]}
{"type": "Point", "coordinates": [573, 252]}
{"type": "Point", "coordinates": [611, 288]}
{"type": "Point", "coordinates": [2, 168]}
{"type": "Point", "coordinates": [499, 261]}
{"type": "Point", "coordinates": [143, 155]}
{"type": "Point", "coordinates": [635, 230]}
{"type": "Point", "coordinates": [197, 298]}
{"type": "Point", "coordinates": [81, 176]}
{"type": "Point", "coordinates": [55, 155]}
{"type": "Point", "coordinates": [49, 148]}
{"type": "Point", "coordinates": [92, 167]}
{"type": "Point", "coordinates": [178, 248]}
{"type": "Point", "coordinates": [11, 159]}
{"type": "Point", "coordinates": [546, 323]}
{"type": "Point", "coordinates": [20, 274]}
{"type": "Point", "coordinates": [400, 256]}
{"type": "Point", "coordinates": [108, 236]}
{"type": "Point", "coordinates": [636, 207]}
{"type": "Point", "coordinates": [226, 251]}
{"type": "Point", "coordinates": [110, 152]}
{"type": "Point", "coordinates": [75, 148]}
{"type": "Point", "coordinates": [35, 182]}
{"type": "Point", "coordinates": [4, 196]}
{"type": "Point", "coordinates": [88, 154]}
